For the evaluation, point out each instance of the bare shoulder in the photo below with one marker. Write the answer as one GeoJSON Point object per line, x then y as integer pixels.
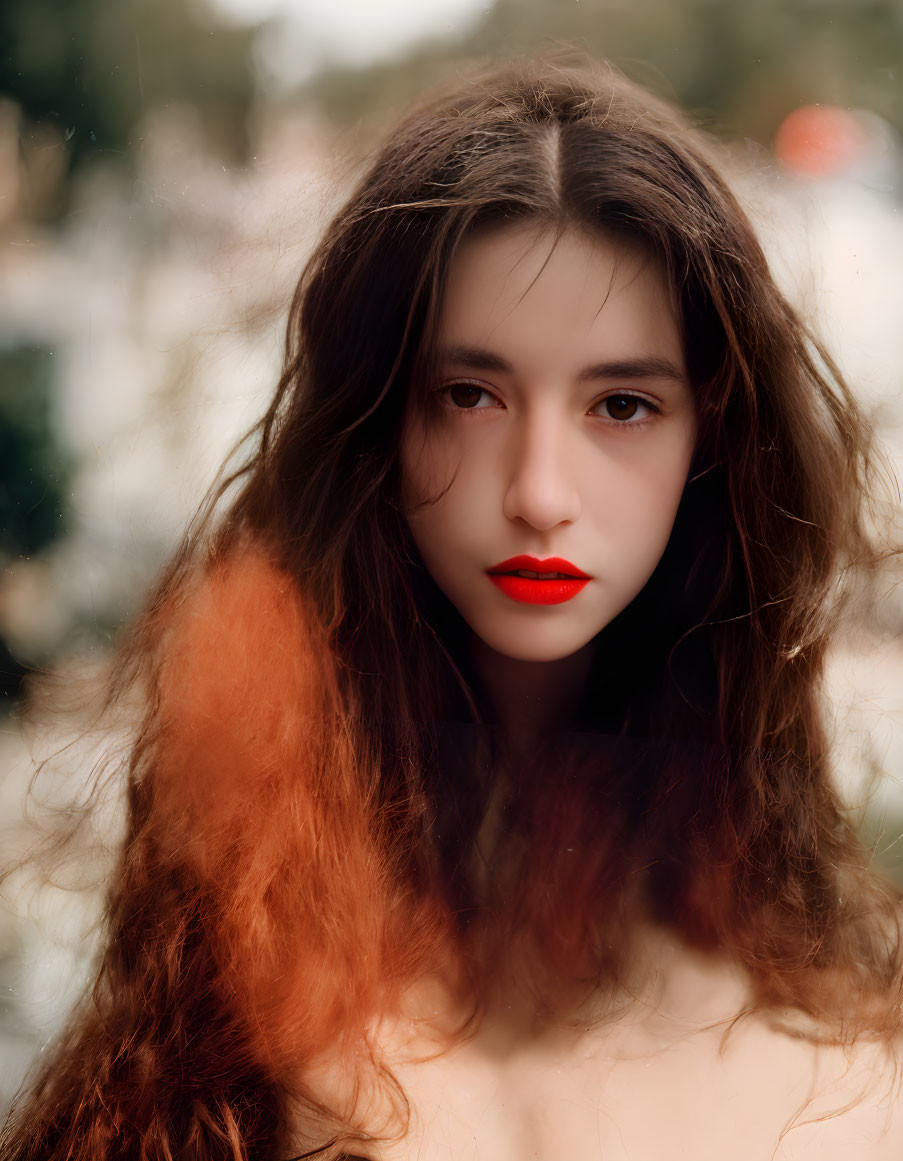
{"type": "Point", "coordinates": [855, 1109]}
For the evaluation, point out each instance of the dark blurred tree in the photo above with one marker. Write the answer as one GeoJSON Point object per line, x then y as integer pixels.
{"type": "Point", "coordinates": [739, 67]}
{"type": "Point", "coordinates": [34, 475]}
{"type": "Point", "coordinates": [91, 68]}
{"type": "Point", "coordinates": [33, 470]}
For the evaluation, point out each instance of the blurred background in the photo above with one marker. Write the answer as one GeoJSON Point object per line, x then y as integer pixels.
{"type": "Point", "coordinates": [165, 166]}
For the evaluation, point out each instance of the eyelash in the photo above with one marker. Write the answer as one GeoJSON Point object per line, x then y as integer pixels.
{"type": "Point", "coordinates": [443, 395]}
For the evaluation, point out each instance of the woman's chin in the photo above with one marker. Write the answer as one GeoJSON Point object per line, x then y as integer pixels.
{"type": "Point", "coordinates": [525, 647]}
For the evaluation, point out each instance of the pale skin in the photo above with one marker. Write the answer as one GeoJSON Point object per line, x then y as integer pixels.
{"type": "Point", "coordinates": [546, 343]}
{"type": "Point", "coordinates": [567, 430]}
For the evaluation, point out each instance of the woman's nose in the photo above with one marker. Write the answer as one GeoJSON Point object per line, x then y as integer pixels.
{"type": "Point", "coordinates": [541, 486]}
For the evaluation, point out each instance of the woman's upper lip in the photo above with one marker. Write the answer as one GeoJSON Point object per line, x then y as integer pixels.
{"type": "Point", "coordinates": [534, 564]}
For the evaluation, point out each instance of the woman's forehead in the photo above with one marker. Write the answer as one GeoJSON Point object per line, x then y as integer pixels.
{"type": "Point", "coordinates": [528, 294]}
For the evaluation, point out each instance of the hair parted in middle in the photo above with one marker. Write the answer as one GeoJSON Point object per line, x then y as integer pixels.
{"type": "Point", "coordinates": [696, 786]}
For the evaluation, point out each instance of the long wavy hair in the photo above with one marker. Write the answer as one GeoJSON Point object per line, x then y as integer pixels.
{"type": "Point", "coordinates": [308, 784]}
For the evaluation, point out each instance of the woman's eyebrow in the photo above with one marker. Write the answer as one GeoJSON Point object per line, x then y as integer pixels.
{"type": "Point", "coordinates": [475, 358]}
{"type": "Point", "coordinates": [637, 367]}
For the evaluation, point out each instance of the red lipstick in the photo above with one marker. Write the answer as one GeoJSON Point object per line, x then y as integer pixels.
{"type": "Point", "coordinates": [557, 580]}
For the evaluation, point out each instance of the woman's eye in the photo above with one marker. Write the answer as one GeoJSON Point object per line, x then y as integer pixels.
{"type": "Point", "coordinates": [624, 408]}
{"type": "Point", "coordinates": [467, 396]}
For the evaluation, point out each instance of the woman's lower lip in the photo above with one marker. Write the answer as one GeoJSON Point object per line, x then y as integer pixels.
{"type": "Point", "coordinates": [538, 592]}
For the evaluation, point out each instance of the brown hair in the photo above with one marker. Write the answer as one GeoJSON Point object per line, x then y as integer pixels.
{"type": "Point", "coordinates": [305, 790]}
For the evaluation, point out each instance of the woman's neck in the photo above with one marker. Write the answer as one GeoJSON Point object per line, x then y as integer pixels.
{"type": "Point", "coordinates": [530, 699]}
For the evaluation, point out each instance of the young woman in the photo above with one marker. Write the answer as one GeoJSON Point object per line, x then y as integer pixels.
{"type": "Point", "coordinates": [482, 802]}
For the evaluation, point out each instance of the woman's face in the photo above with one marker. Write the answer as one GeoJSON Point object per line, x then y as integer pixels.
{"type": "Point", "coordinates": [566, 428]}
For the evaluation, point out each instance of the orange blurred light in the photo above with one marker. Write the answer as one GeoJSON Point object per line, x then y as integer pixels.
{"type": "Point", "coordinates": [819, 141]}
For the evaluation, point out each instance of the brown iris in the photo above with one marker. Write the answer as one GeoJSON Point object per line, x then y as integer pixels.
{"type": "Point", "coordinates": [465, 394]}
{"type": "Point", "coordinates": [621, 406]}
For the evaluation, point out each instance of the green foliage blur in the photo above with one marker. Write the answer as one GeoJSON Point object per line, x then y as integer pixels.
{"type": "Point", "coordinates": [739, 67]}
{"type": "Point", "coordinates": [90, 69]}
{"type": "Point", "coordinates": [81, 76]}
